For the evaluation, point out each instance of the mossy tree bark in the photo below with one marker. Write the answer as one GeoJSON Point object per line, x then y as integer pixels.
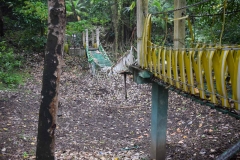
{"type": "Point", "coordinates": [51, 77]}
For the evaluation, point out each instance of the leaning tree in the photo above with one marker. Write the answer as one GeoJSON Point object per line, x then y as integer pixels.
{"type": "Point", "coordinates": [50, 82]}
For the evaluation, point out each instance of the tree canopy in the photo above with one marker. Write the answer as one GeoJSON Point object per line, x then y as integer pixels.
{"type": "Point", "coordinates": [25, 22]}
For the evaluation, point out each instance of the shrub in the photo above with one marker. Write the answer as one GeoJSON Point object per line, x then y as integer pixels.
{"type": "Point", "coordinates": [9, 63]}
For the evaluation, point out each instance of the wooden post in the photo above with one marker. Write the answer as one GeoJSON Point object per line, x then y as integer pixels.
{"type": "Point", "coordinates": [87, 44]}
{"type": "Point", "coordinates": [83, 39]}
{"type": "Point", "coordinates": [179, 25]}
{"type": "Point", "coordinates": [159, 121]}
{"type": "Point", "coordinates": [125, 84]}
{"type": "Point", "coordinates": [142, 10]}
{"type": "Point", "coordinates": [97, 37]}
{"type": "Point", "coordinates": [93, 39]}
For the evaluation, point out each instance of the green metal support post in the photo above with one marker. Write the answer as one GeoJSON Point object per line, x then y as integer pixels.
{"type": "Point", "coordinates": [159, 121]}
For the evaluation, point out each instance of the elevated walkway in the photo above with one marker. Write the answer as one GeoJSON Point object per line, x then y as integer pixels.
{"type": "Point", "coordinates": [206, 72]}
{"type": "Point", "coordinates": [99, 57]}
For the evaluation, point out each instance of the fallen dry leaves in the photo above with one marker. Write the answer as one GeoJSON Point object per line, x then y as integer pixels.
{"type": "Point", "coordinates": [96, 122]}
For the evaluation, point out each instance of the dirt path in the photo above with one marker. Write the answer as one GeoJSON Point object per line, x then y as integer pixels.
{"type": "Point", "coordinates": [96, 121]}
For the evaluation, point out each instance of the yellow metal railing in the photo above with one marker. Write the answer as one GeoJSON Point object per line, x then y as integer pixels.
{"type": "Point", "coordinates": [212, 73]}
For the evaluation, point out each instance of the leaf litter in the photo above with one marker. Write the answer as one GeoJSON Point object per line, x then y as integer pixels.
{"type": "Point", "coordinates": [96, 122]}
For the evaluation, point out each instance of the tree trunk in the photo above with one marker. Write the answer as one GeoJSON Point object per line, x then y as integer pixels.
{"type": "Point", "coordinates": [51, 76]}
{"type": "Point", "coordinates": [115, 18]}
{"type": "Point", "coordinates": [74, 12]}
{"type": "Point", "coordinates": [1, 24]}
{"type": "Point", "coordinates": [179, 25]}
{"type": "Point", "coordinates": [142, 11]}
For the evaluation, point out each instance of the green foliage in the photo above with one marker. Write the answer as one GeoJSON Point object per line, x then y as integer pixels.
{"type": "Point", "coordinates": [10, 79]}
{"type": "Point", "coordinates": [75, 7]}
{"type": "Point", "coordinates": [160, 22]}
{"type": "Point", "coordinates": [209, 21]}
{"type": "Point", "coordinates": [25, 155]}
{"type": "Point", "coordinates": [34, 9]}
{"type": "Point", "coordinates": [26, 20]}
{"type": "Point", "coordinates": [130, 8]}
{"type": "Point", "coordinates": [77, 27]}
{"type": "Point", "coordinates": [206, 18]}
{"type": "Point", "coordinates": [81, 17]}
{"type": "Point", "coordinates": [27, 40]}
{"type": "Point", "coordinates": [7, 59]}
{"type": "Point", "coordinates": [66, 48]}
{"type": "Point", "coordinates": [26, 23]}
{"type": "Point", "coordinates": [97, 21]}
{"type": "Point", "coordinates": [100, 12]}
{"type": "Point", "coordinates": [9, 63]}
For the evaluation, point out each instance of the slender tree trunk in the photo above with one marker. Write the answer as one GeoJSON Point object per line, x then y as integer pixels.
{"type": "Point", "coordinates": [142, 11]}
{"type": "Point", "coordinates": [51, 76]}
{"type": "Point", "coordinates": [1, 23]}
{"type": "Point", "coordinates": [179, 25]}
{"type": "Point", "coordinates": [122, 36]}
{"type": "Point", "coordinates": [74, 12]}
{"type": "Point", "coordinates": [115, 18]}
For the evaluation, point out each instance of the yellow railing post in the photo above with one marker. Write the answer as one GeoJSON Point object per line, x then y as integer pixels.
{"type": "Point", "coordinates": [189, 66]}
{"type": "Point", "coordinates": [181, 61]}
{"type": "Point", "coordinates": [169, 65]}
{"type": "Point", "coordinates": [154, 60]}
{"type": "Point", "coordinates": [149, 56]}
{"type": "Point", "coordinates": [219, 67]}
{"type": "Point", "coordinates": [163, 59]}
{"type": "Point", "coordinates": [208, 68]}
{"type": "Point", "coordinates": [233, 61]}
{"type": "Point", "coordinates": [159, 62]}
{"type": "Point", "coordinates": [175, 67]}
{"type": "Point", "coordinates": [146, 39]}
{"type": "Point", "coordinates": [197, 66]}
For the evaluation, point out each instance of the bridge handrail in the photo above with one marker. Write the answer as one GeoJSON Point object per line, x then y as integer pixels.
{"type": "Point", "coordinates": [93, 56]}
{"type": "Point", "coordinates": [211, 72]}
{"type": "Point", "coordinates": [89, 57]}
{"type": "Point", "coordinates": [101, 49]}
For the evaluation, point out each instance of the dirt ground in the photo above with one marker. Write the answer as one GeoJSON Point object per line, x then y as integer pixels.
{"type": "Point", "coordinates": [96, 122]}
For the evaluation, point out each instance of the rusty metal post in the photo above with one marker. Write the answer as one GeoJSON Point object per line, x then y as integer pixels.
{"type": "Point", "coordinates": [159, 121]}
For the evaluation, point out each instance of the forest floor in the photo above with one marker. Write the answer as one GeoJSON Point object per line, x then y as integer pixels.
{"type": "Point", "coordinates": [96, 121]}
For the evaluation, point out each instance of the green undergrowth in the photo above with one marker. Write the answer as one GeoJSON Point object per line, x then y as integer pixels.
{"type": "Point", "coordinates": [10, 63]}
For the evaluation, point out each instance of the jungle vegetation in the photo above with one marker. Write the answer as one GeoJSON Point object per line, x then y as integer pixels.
{"type": "Point", "coordinates": [24, 26]}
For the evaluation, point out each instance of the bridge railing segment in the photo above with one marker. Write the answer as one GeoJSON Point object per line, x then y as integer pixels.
{"type": "Point", "coordinates": [210, 72]}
